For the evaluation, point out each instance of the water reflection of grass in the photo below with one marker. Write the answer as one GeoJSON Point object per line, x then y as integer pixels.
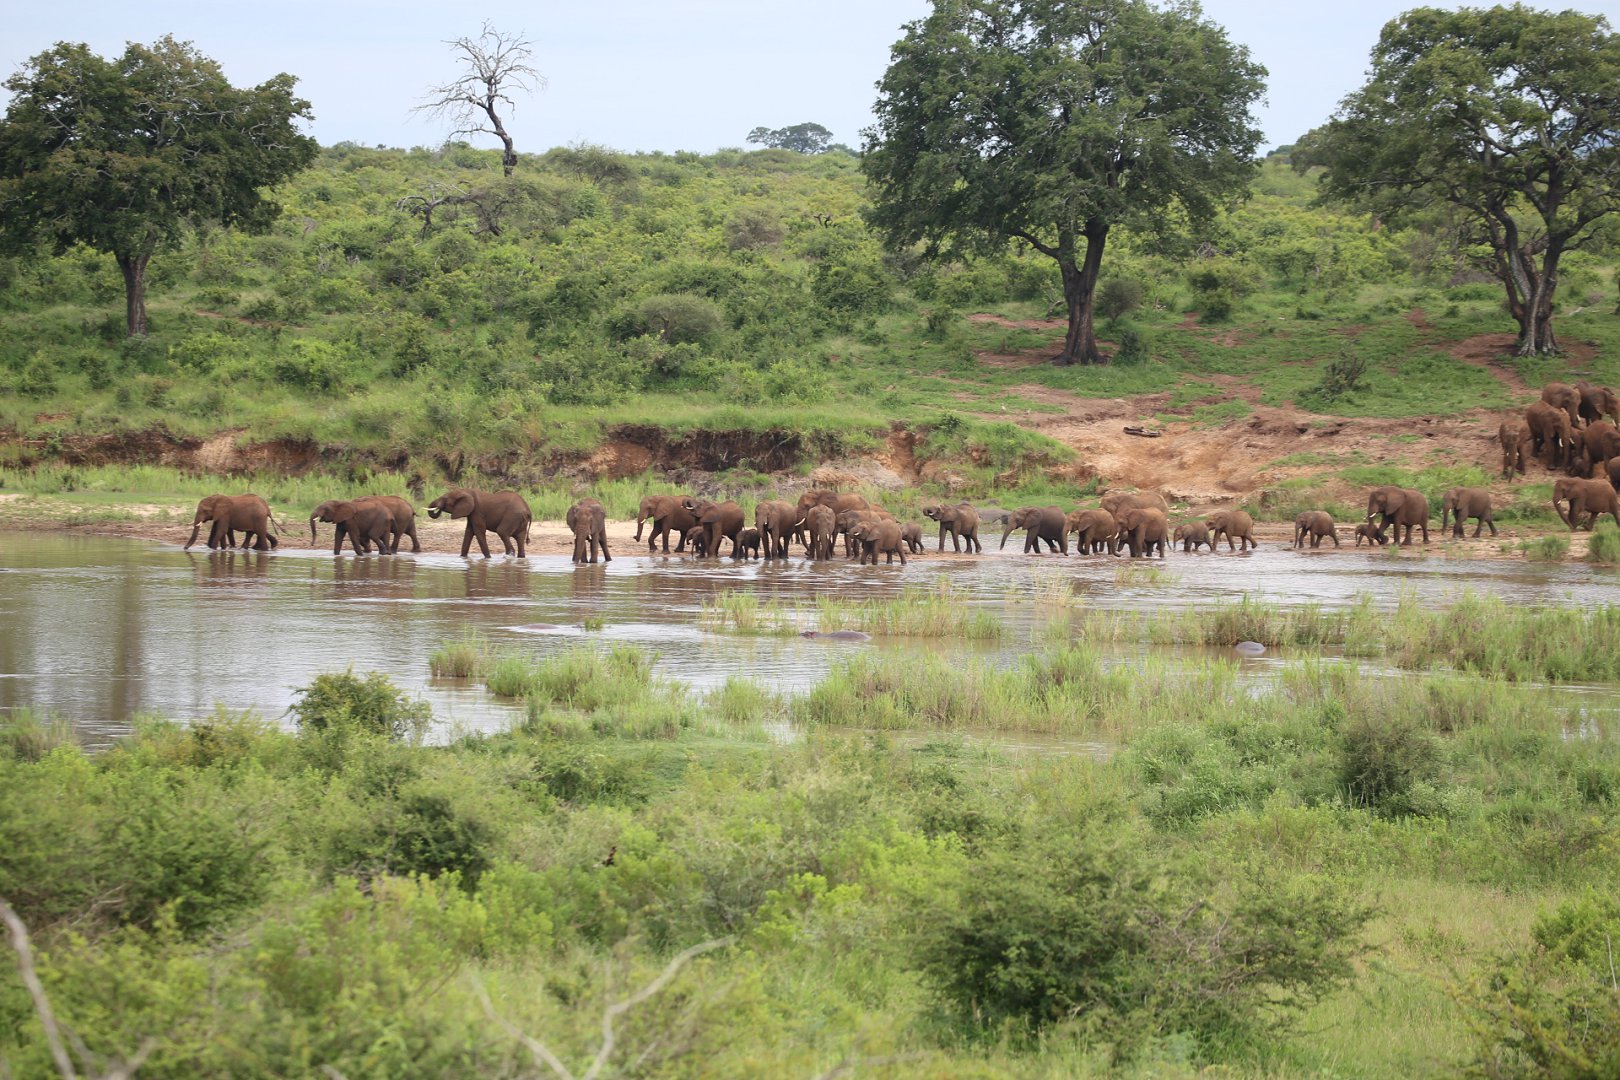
{"type": "Point", "coordinates": [1144, 575]}
{"type": "Point", "coordinates": [937, 611]}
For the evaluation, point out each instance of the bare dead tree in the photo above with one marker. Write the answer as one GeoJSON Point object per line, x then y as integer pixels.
{"type": "Point", "coordinates": [116, 1070]}
{"type": "Point", "coordinates": [543, 1054]}
{"type": "Point", "coordinates": [497, 65]}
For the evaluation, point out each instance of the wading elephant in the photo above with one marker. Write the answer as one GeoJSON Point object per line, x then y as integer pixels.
{"type": "Point", "coordinates": [911, 536]}
{"type": "Point", "coordinates": [1598, 402]}
{"type": "Point", "coordinates": [668, 514]}
{"type": "Point", "coordinates": [1613, 469]}
{"type": "Point", "coordinates": [230, 513]}
{"type": "Point", "coordinates": [835, 501]}
{"type": "Point", "coordinates": [878, 536]}
{"type": "Point", "coordinates": [961, 521]}
{"type": "Point", "coordinates": [502, 512]}
{"type": "Point", "coordinates": [1549, 432]}
{"type": "Point", "coordinates": [1094, 531]}
{"type": "Point", "coordinates": [1315, 524]}
{"type": "Point", "coordinates": [1564, 398]}
{"type": "Point", "coordinates": [1466, 502]}
{"type": "Point", "coordinates": [1143, 529]}
{"type": "Point", "coordinates": [1119, 502]}
{"type": "Point", "coordinates": [848, 519]}
{"type": "Point", "coordinates": [587, 520]}
{"type": "Point", "coordinates": [716, 520]}
{"type": "Point", "coordinates": [1402, 507]}
{"type": "Point", "coordinates": [1587, 499]}
{"type": "Point", "coordinates": [1517, 446]}
{"type": "Point", "coordinates": [1371, 533]}
{"type": "Point", "coordinates": [401, 517]}
{"type": "Point", "coordinates": [1039, 523]}
{"type": "Point", "coordinates": [822, 526]}
{"type": "Point", "coordinates": [776, 521]}
{"type": "Point", "coordinates": [1192, 535]}
{"type": "Point", "coordinates": [748, 545]}
{"type": "Point", "coordinates": [1235, 525]}
{"type": "Point", "coordinates": [364, 522]}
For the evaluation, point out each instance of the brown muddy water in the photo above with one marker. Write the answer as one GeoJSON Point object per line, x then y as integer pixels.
{"type": "Point", "coordinates": [99, 630]}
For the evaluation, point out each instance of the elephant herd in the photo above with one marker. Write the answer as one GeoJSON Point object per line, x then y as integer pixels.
{"type": "Point", "coordinates": [1567, 430]}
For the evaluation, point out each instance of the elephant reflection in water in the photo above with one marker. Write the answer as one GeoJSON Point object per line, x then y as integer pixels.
{"type": "Point", "coordinates": [359, 570]}
{"type": "Point", "coordinates": [229, 566]}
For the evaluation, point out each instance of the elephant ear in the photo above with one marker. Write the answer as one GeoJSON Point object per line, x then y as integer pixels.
{"type": "Point", "coordinates": [342, 512]}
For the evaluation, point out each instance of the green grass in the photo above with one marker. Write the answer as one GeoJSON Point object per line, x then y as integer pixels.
{"type": "Point", "coordinates": [937, 611]}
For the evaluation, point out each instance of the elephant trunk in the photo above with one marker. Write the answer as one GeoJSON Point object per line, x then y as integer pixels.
{"type": "Point", "coordinates": [196, 525]}
{"type": "Point", "coordinates": [312, 520]}
{"type": "Point", "coordinates": [1004, 534]}
{"type": "Point", "coordinates": [640, 521]}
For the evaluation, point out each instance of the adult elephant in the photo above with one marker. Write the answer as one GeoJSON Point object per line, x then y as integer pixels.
{"type": "Point", "coordinates": [587, 520]}
{"type": "Point", "coordinates": [1613, 469]}
{"type": "Point", "coordinates": [1315, 524]}
{"type": "Point", "coordinates": [960, 520]}
{"type": "Point", "coordinates": [1402, 507]}
{"type": "Point", "coordinates": [1597, 402]}
{"type": "Point", "coordinates": [878, 536]}
{"type": "Point", "coordinates": [1600, 441]}
{"type": "Point", "coordinates": [1466, 502]}
{"type": "Point", "coordinates": [848, 519]}
{"type": "Point", "coordinates": [1094, 531]}
{"type": "Point", "coordinates": [1039, 523]}
{"type": "Point", "coordinates": [401, 519]}
{"type": "Point", "coordinates": [716, 520]}
{"type": "Point", "coordinates": [668, 513]}
{"type": "Point", "coordinates": [822, 525]}
{"type": "Point", "coordinates": [1517, 446]}
{"type": "Point", "coordinates": [1119, 502]}
{"type": "Point", "coordinates": [1235, 525]}
{"type": "Point", "coordinates": [1550, 432]}
{"type": "Point", "coordinates": [1144, 529]}
{"type": "Point", "coordinates": [1586, 498]}
{"type": "Point", "coordinates": [836, 501]}
{"type": "Point", "coordinates": [247, 513]}
{"type": "Point", "coordinates": [1564, 398]}
{"type": "Point", "coordinates": [364, 522]}
{"type": "Point", "coordinates": [502, 512]}
{"type": "Point", "coordinates": [776, 520]}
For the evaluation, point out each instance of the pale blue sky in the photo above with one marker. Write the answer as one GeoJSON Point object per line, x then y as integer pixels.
{"type": "Point", "coordinates": [646, 74]}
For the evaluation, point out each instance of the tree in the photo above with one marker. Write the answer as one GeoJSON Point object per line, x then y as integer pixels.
{"type": "Point", "coordinates": [126, 156]}
{"type": "Point", "coordinates": [1053, 121]}
{"type": "Point", "coordinates": [800, 138]}
{"type": "Point", "coordinates": [1511, 115]}
{"type": "Point", "coordinates": [497, 64]}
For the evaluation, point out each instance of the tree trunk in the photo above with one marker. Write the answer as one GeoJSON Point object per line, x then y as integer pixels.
{"type": "Point", "coordinates": [134, 268]}
{"type": "Point", "coordinates": [1534, 309]}
{"type": "Point", "coordinates": [1080, 294]}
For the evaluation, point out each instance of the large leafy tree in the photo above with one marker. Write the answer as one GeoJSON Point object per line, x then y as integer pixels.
{"type": "Point", "coordinates": [1510, 115]}
{"type": "Point", "coordinates": [1053, 122]}
{"type": "Point", "coordinates": [127, 155]}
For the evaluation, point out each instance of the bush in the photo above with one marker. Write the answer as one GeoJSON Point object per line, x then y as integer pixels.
{"type": "Point", "coordinates": [1118, 297]}
{"type": "Point", "coordinates": [1382, 761]}
{"type": "Point", "coordinates": [372, 704]}
{"type": "Point", "coordinates": [1546, 549]}
{"type": "Point", "coordinates": [1341, 376]}
{"type": "Point", "coordinates": [856, 287]}
{"type": "Point", "coordinates": [754, 227]}
{"type": "Point", "coordinates": [675, 318]}
{"type": "Point", "coordinates": [1133, 347]}
{"type": "Point", "coordinates": [1604, 547]}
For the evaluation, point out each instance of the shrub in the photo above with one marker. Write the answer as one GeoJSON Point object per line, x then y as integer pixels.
{"type": "Point", "coordinates": [1604, 547]}
{"type": "Point", "coordinates": [754, 227]}
{"type": "Point", "coordinates": [1546, 548]}
{"type": "Point", "coordinates": [1383, 760]}
{"type": "Point", "coordinates": [1133, 347]}
{"type": "Point", "coordinates": [1118, 297]}
{"type": "Point", "coordinates": [372, 704]}
{"type": "Point", "coordinates": [856, 287]}
{"type": "Point", "coordinates": [676, 318]}
{"type": "Point", "coordinates": [1342, 375]}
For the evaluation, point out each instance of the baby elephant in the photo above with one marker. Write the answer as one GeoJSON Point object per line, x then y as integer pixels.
{"type": "Point", "coordinates": [747, 545]}
{"type": "Point", "coordinates": [1316, 524]}
{"type": "Point", "coordinates": [1371, 533]}
{"type": "Point", "coordinates": [911, 536]}
{"type": "Point", "coordinates": [588, 521]}
{"type": "Point", "coordinates": [1193, 534]}
{"type": "Point", "coordinates": [1461, 503]}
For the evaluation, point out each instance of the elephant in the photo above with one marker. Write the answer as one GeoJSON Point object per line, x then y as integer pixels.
{"type": "Point", "coordinates": [1094, 531]}
{"type": "Point", "coordinates": [364, 522]}
{"type": "Point", "coordinates": [1597, 402]}
{"type": "Point", "coordinates": [1192, 535]}
{"type": "Point", "coordinates": [1550, 431]}
{"type": "Point", "coordinates": [878, 536]}
{"type": "Point", "coordinates": [1121, 501]}
{"type": "Point", "coordinates": [502, 512]}
{"type": "Point", "coordinates": [1591, 498]}
{"type": "Point", "coordinates": [1514, 435]}
{"type": "Point", "coordinates": [248, 513]}
{"type": "Point", "coordinates": [1565, 398]}
{"type": "Point", "coordinates": [716, 520]}
{"type": "Point", "coordinates": [822, 525]}
{"type": "Point", "coordinates": [1371, 533]}
{"type": "Point", "coordinates": [911, 536]}
{"type": "Point", "coordinates": [401, 516]}
{"type": "Point", "coordinates": [1402, 506]}
{"type": "Point", "coordinates": [748, 545]}
{"type": "Point", "coordinates": [1232, 524]}
{"type": "Point", "coordinates": [587, 520]}
{"type": "Point", "coordinates": [776, 521]}
{"type": "Point", "coordinates": [835, 501]}
{"type": "Point", "coordinates": [848, 519]}
{"type": "Point", "coordinates": [1315, 524]}
{"type": "Point", "coordinates": [1039, 523]}
{"type": "Point", "coordinates": [1466, 502]}
{"type": "Point", "coordinates": [1600, 441]}
{"type": "Point", "coordinates": [961, 521]}
{"type": "Point", "coordinates": [1613, 469]}
{"type": "Point", "coordinates": [668, 513]}
{"type": "Point", "coordinates": [1143, 529]}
